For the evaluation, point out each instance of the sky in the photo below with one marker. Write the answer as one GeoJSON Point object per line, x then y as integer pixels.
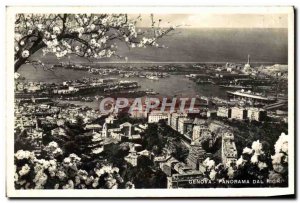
{"type": "Point", "coordinates": [207, 20]}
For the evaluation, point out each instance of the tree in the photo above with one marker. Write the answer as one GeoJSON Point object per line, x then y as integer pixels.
{"type": "Point", "coordinates": [85, 35]}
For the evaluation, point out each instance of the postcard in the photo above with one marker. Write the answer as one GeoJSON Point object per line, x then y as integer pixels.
{"type": "Point", "coordinates": [150, 101]}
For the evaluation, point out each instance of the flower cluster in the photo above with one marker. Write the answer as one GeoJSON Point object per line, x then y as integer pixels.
{"type": "Point", "coordinates": [254, 163]}
{"type": "Point", "coordinates": [34, 173]}
{"type": "Point", "coordinates": [86, 35]}
{"type": "Point", "coordinates": [53, 150]}
{"type": "Point", "coordinates": [280, 158]}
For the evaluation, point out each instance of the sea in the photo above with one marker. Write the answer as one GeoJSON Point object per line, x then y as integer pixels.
{"type": "Point", "coordinates": [214, 45]}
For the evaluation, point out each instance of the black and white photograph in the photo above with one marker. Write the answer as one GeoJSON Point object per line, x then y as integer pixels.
{"type": "Point", "coordinates": [150, 101]}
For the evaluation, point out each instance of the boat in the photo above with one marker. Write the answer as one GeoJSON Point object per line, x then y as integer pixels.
{"type": "Point", "coordinates": [151, 77]}
{"type": "Point", "coordinates": [236, 87]}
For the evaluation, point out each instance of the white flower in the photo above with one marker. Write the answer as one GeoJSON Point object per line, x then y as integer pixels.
{"type": "Point", "coordinates": [230, 173]}
{"type": "Point", "coordinates": [40, 27]}
{"type": "Point", "coordinates": [77, 48]}
{"type": "Point", "coordinates": [57, 152]}
{"type": "Point", "coordinates": [257, 147]}
{"type": "Point", "coordinates": [16, 177]}
{"type": "Point", "coordinates": [240, 161]}
{"type": "Point", "coordinates": [56, 30]}
{"type": "Point", "coordinates": [47, 34]}
{"type": "Point", "coordinates": [29, 32]}
{"type": "Point", "coordinates": [93, 41]}
{"type": "Point", "coordinates": [61, 175]}
{"type": "Point", "coordinates": [254, 158]}
{"type": "Point", "coordinates": [77, 180]}
{"type": "Point", "coordinates": [262, 165]}
{"type": "Point", "coordinates": [95, 182]}
{"type": "Point", "coordinates": [92, 26]}
{"type": "Point", "coordinates": [22, 43]}
{"type": "Point", "coordinates": [67, 160]}
{"type": "Point", "coordinates": [276, 159]}
{"type": "Point", "coordinates": [281, 144]}
{"type": "Point", "coordinates": [99, 172]}
{"type": "Point", "coordinates": [80, 30]}
{"type": "Point", "coordinates": [17, 75]}
{"type": "Point", "coordinates": [247, 150]}
{"type": "Point", "coordinates": [40, 179]}
{"type": "Point", "coordinates": [25, 170]}
{"type": "Point", "coordinates": [209, 163]}
{"type": "Point", "coordinates": [21, 154]}
{"type": "Point", "coordinates": [74, 156]}
{"type": "Point", "coordinates": [212, 175]}
{"type": "Point", "coordinates": [53, 144]}
{"type": "Point", "coordinates": [102, 53]}
{"type": "Point", "coordinates": [115, 169]}
{"type": "Point", "coordinates": [95, 17]}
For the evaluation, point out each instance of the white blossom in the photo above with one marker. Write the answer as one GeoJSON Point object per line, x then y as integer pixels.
{"type": "Point", "coordinates": [212, 174]}
{"type": "Point", "coordinates": [209, 163]}
{"type": "Point", "coordinates": [17, 75]}
{"type": "Point", "coordinates": [92, 26]}
{"type": "Point", "coordinates": [230, 173]}
{"type": "Point", "coordinates": [262, 165]}
{"type": "Point", "coordinates": [281, 144]}
{"type": "Point", "coordinates": [21, 154]}
{"type": "Point", "coordinates": [257, 147]}
{"type": "Point", "coordinates": [25, 54]}
{"type": "Point", "coordinates": [56, 30]}
{"type": "Point", "coordinates": [240, 162]}
{"type": "Point", "coordinates": [25, 170]}
{"type": "Point", "coordinates": [276, 158]}
{"type": "Point", "coordinates": [254, 158]}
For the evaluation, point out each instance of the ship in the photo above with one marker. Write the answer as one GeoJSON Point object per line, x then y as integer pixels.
{"type": "Point", "coordinates": [248, 87]}
{"type": "Point", "coordinates": [251, 96]}
{"type": "Point", "coordinates": [151, 77]}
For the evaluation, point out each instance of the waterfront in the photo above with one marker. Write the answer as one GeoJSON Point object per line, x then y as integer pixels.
{"type": "Point", "coordinates": [175, 85]}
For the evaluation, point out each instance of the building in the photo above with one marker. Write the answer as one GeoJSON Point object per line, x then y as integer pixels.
{"type": "Point", "coordinates": [229, 152]}
{"type": "Point", "coordinates": [104, 130]}
{"type": "Point", "coordinates": [211, 113]}
{"type": "Point", "coordinates": [256, 114]}
{"type": "Point", "coordinates": [224, 112]}
{"type": "Point", "coordinates": [138, 113]}
{"type": "Point", "coordinates": [93, 127]}
{"type": "Point", "coordinates": [185, 125]}
{"type": "Point", "coordinates": [196, 155]}
{"type": "Point", "coordinates": [126, 128]}
{"type": "Point", "coordinates": [182, 175]}
{"type": "Point", "coordinates": [247, 67]}
{"type": "Point", "coordinates": [173, 120]}
{"type": "Point", "coordinates": [199, 131]}
{"type": "Point", "coordinates": [156, 116]}
{"type": "Point", "coordinates": [110, 119]}
{"type": "Point", "coordinates": [238, 113]}
{"type": "Point", "coordinates": [59, 131]}
{"type": "Point", "coordinates": [132, 157]}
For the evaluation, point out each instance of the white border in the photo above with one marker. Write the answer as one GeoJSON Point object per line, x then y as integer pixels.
{"type": "Point", "coordinates": [210, 192]}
